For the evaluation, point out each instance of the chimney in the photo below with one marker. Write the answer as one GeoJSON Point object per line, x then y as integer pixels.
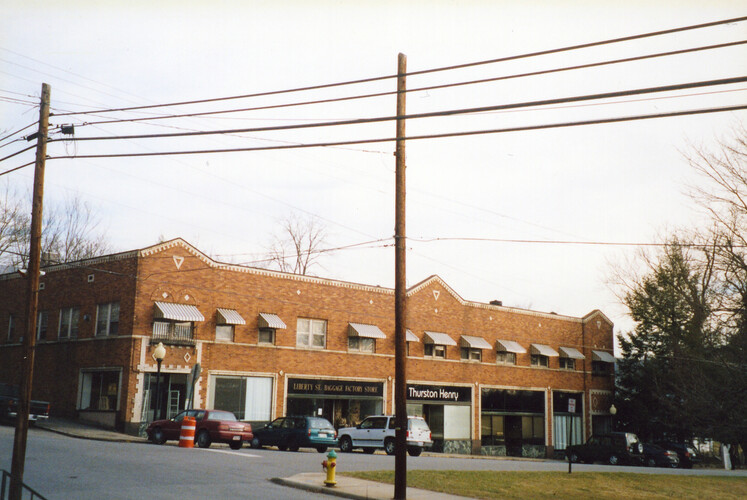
{"type": "Point", "coordinates": [496, 302]}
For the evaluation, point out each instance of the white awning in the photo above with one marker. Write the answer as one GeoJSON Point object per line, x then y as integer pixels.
{"type": "Point", "coordinates": [177, 312]}
{"type": "Point", "coordinates": [570, 352]}
{"type": "Point", "coordinates": [410, 337]}
{"type": "Point", "coordinates": [229, 317]}
{"type": "Point", "coordinates": [474, 342]}
{"type": "Point", "coordinates": [544, 350]}
{"type": "Point", "coordinates": [602, 356]}
{"type": "Point", "coordinates": [367, 331]}
{"type": "Point", "coordinates": [438, 339]}
{"type": "Point", "coordinates": [267, 320]}
{"type": "Point", "coordinates": [510, 346]}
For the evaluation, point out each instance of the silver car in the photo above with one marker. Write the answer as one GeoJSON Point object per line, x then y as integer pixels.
{"type": "Point", "coordinates": [377, 432]}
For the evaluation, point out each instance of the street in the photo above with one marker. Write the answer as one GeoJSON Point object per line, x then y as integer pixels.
{"type": "Point", "coordinates": [62, 467]}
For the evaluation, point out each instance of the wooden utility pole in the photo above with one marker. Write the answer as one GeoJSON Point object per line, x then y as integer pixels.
{"type": "Point", "coordinates": [400, 295]}
{"type": "Point", "coordinates": [34, 266]}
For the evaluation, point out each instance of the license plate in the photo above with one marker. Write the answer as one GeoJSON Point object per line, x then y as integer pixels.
{"type": "Point", "coordinates": [420, 443]}
{"type": "Point", "coordinates": [236, 438]}
{"type": "Point", "coordinates": [322, 435]}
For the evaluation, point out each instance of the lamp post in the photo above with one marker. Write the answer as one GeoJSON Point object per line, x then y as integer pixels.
{"type": "Point", "coordinates": [159, 353]}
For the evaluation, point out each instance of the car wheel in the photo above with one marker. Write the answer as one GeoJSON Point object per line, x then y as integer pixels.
{"type": "Point", "coordinates": [389, 446]}
{"type": "Point", "coordinates": [256, 443]}
{"type": "Point", "coordinates": [414, 451]}
{"type": "Point", "coordinates": [203, 439]}
{"type": "Point", "coordinates": [346, 444]}
{"type": "Point", "coordinates": [282, 447]}
{"type": "Point", "coordinates": [369, 451]}
{"type": "Point", "coordinates": [293, 445]}
{"type": "Point", "coordinates": [235, 445]}
{"type": "Point", "coordinates": [651, 462]}
{"type": "Point", "coordinates": [321, 448]}
{"type": "Point", "coordinates": [157, 436]}
{"type": "Point", "coordinates": [574, 458]}
{"type": "Point", "coordinates": [674, 465]}
{"type": "Point", "coordinates": [614, 459]}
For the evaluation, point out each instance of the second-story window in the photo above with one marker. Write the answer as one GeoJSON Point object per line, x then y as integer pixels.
{"type": "Point", "coordinates": [68, 325]}
{"type": "Point", "coordinates": [471, 354]}
{"type": "Point", "coordinates": [540, 360]}
{"type": "Point", "coordinates": [505, 357]}
{"type": "Point", "coordinates": [311, 333]}
{"type": "Point", "coordinates": [224, 333]}
{"type": "Point", "coordinates": [107, 319]}
{"type": "Point", "coordinates": [435, 350]}
{"type": "Point", "coordinates": [266, 336]}
{"type": "Point", "coordinates": [361, 344]}
{"type": "Point", "coordinates": [42, 324]}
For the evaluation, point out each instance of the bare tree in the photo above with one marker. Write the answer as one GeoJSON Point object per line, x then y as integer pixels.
{"type": "Point", "coordinates": [298, 247]}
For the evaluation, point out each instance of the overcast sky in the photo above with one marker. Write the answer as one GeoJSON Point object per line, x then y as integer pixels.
{"type": "Point", "coordinates": [624, 182]}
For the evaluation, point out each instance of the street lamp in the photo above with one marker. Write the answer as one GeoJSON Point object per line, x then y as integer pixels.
{"type": "Point", "coordinates": [159, 353]}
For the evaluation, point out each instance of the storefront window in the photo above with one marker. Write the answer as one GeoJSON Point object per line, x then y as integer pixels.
{"type": "Point", "coordinates": [249, 398]}
{"type": "Point", "coordinates": [99, 390]}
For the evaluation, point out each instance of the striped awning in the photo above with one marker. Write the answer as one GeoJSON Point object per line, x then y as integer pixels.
{"type": "Point", "coordinates": [544, 350]}
{"type": "Point", "coordinates": [230, 317]}
{"type": "Point", "coordinates": [602, 356]}
{"type": "Point", "coordinates": [268, 320]}
{"type": "Point", "coordinates": [474, 342]}
{"type": "Point", "coordinates": [367, 331]}
{"type": "Point", "coordinates": [411, 337]}
{"type": "Point", "coordinates": [510, 346]}
{"type": "Point", "coordinates": [438, 339]}
{"type": "Point", "coordinates": [570, 352]}
{"type": "Point", "coordinates": [177, 312]}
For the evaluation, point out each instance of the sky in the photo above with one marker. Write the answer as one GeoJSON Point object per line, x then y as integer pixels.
{"type": "Point", "coordinates": [609, 183]}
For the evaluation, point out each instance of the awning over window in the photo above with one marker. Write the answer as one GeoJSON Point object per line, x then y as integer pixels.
{"type": "Point", "coordinates": [570, 352]}
{"type": "Point", "coordinates": [410, 337]}
{"type": "Point", "coordinates": [229, 317]}
{"type": "Point", "coordinates": [438, 338]}
{"type": "Point", "coordinates": [367, 331]}
{"type": "Point", "coordinates": [177, 312]}
{"type": "Point", "coordinates": [602, 356]}
{"type": "Point", "coordinates": [510, 346]}
{"type": "Point", "coordinates": [474, 342]}
{"type": "Point", "coordinates": [544, 350]}
{"type": "Point", "coordinates": [267, 320]}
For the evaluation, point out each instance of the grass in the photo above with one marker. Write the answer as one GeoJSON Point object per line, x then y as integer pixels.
{"type": "Point", "coordinates": [561, 485]}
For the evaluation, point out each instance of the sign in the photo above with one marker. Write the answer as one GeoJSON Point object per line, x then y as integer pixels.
{"type": "Point", "coordinates": [440, 393]}
{"type": "Point", "coordinates": [315, 387]}
{"type": "Point", "coordinates": [571, 406]}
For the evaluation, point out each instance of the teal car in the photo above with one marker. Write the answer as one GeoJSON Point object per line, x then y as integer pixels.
{"type": "Point", "coordinates": [294, 432]}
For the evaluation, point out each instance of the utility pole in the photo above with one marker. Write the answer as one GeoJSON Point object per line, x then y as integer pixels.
{"type": "Point", "coordinates": [400, 295]}
{"type": "Point", "coordinates": [29, 341]}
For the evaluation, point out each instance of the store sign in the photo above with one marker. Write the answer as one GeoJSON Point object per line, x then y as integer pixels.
{"type": "Point", "coordinates": [308, 386]}
{"type": "Point", "coordinates": [442, 393]}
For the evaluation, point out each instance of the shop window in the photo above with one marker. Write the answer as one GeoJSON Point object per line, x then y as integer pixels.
{"type": "Point", "coordinates": [311, 333]}
{"type": "Point", "coordinates": [266, 335]}
{"type": "Point", "coordinates": [601, 368]}
{"type": "Point", "coordinates": [68, 326]}
{"type": "Point", "coordinates": [492, 433]}
{"type": "Point", "coordinates": [249, 398]}
{"type": "Point", "coordinates": [99, 390]}
{"type": "Point", "coordinates": [224, 333]}
{"type": "Point", "coordinates": [435, 350]}
{"type": "Point", "coordinates": [107, 319]}
{"type": "Point", "coordinates": [42, 324]}
{"type": "Point", "coordinates": [471, 354]}
{"type": "Point", "coordinates": [567, 363]}
{"type": "Point", "coordinates": [533, 430]}
{"type": "Point", "coordinates": [361, 344]}
{"type": "Point", "coordinates": [540, 360]}
{"type": "Point", "coordinates": [505, 358]}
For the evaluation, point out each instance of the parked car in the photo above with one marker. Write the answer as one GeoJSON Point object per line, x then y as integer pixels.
{"type": "Point", "coordinates": [38, 410]}
{"type": "Point", "coordinates": [656, 456]}
{"type": "Point", "coordinates": [212, 426]}
{"type": "Point", "coordinates": [377, 432]}
{"type": "Point", "coordinates": [294, 432]}
{"type": "Point", "coordinates": [685, 451]}
{"type": "Point", "coordinates": [613, 448]}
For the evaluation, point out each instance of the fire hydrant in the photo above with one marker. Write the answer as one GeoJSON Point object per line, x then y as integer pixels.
{"type": "Point", "coordinates": [329, 466]}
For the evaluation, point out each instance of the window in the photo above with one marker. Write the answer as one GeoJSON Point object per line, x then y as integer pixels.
{"type": "Point", "coordinates": [540, 360]}
{"type": "Point", "coordinates": [505, 357]}
{"type": "Point", "coordinates": [471, 354]}
{"type": "Point", "coordinates": [361, 344]}
{"type": "Point", "coordinates": [311, 333]}
{"type": "Point", "coordinates": [99, 390]}
{"type": "Point", "coordinates": [68, 326]}
{"type": "Point", "coordinates": [107, 319]}
{"type": "Point", "coordinates": [435, 350]}
{"type": "Point", "coordinates": [42, 323]}
{"type": "Point", "coordinates": [224, 333]}
{"type": "Point", "coordinates": [249, 398]}
{"type": "Point", "coordinates": [600, 368]}
{"type": "Point", "coordinates": [533, 430]}
{"type": "Point", "coordinates": [567, 363]}
{"type": "Point", "coordinates": [266, 335]}
{"type": "Point", "coordinates": [492, 430]}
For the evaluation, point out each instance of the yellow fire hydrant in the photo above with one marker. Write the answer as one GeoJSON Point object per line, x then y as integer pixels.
{"type": "Point", "coordinates": [329, 466]}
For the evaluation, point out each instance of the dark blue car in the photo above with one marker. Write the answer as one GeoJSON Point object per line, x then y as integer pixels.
{"type": "Point", "coordinates": [294, 432]}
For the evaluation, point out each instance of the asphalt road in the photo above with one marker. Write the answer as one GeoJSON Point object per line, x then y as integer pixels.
{"type": "Point", "coordinates": [62, 467]}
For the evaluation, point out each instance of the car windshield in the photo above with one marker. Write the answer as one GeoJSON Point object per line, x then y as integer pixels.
{"type": "Point", "coordinates": [320, 423]}
{"type": "Point", "coordinates": [221, 415]}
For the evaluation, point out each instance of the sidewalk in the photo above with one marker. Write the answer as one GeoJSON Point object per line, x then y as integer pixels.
{"type": "Point", "coordinates": [347, 487]}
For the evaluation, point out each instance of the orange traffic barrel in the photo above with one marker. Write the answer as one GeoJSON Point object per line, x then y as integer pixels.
{"type": "Point", "coordinates": [187, 435]}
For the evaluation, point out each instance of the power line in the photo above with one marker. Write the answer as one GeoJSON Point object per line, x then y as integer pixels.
{"type": "Point", "coordinates": [17, 168]}
{"type": "Point", "coordinates": [569, 242]}
{"type": "Point", "coordinates": [426, 71]}
{"type": "Point", "coordinates": [18, 152]}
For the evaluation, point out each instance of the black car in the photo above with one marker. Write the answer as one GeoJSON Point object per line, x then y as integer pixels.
{"type": "Point", "coordinates": [614, 448]}
{"type": "Point", "coordinates": [656, 456]}
{"type": "Point", "coordinates": [685, 451]}
{"type": "Point", "coordinates": [294, 432]}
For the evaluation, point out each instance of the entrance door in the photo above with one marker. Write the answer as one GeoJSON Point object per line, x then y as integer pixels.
{"type": "Point", "coordinates": [513, 435]}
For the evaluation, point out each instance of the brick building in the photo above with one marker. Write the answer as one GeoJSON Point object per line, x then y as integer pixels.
{"type": "Point", "coordinates": [489, 379]}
